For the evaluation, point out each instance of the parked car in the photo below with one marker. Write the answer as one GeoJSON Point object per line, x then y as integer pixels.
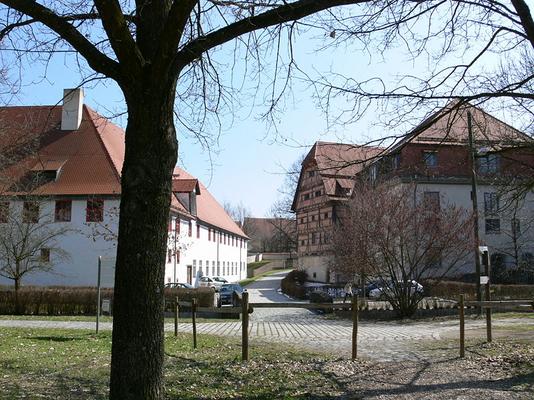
{"type": "Point", "coordinates": [382, 291]}
{"type": "Point", "coordinates": [230, 293]}
{"type": "Point", "coordinates": [178, 285]}
{"type": "Point", "coordinates": [366, 290]}
{"type": "Point", "coordinates": [206, 281]}
{"type": "Point", "coordinates": [220, 279]}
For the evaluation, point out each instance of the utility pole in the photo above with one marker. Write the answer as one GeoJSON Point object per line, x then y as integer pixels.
{"type": "Point", "coordinates": [474, 200]}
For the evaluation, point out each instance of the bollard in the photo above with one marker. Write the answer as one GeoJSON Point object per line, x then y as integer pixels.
{"type": "Point", "coordinates": [194, 316]}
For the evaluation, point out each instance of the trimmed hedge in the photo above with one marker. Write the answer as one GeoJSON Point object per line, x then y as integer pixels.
{"type": "Point", "coordinates": [205, 296]}
{"type": "Point", "coordinates": [81, 300]}
{"type": "Point", "coordinates": [292, 284]}
{"type": "Point", "coordinates": [53, 301]}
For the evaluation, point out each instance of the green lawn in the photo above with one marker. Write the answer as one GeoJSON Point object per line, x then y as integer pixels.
{"type": "Point", "coordinates": [69, 364]}
{"type": "Point", "coordinates": [61, 364]}
{"type": "Point", "coordinates": [258, 264]}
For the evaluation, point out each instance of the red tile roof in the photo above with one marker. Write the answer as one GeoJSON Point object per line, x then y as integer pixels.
{"type": "Point", "coordinates": [341, 159]}
{"type": "Point", "coordinates": [448, 126]}
{"type": "Point", "coordinates": [185, 185]}
{"type": "Point", "coordinates": [85, 167]}
{"type": "Point", "coordinates": [89, 159]}
{"type": "Point", "coordinates": [209, 210]}
{"type": "Point", "coordinates": [337, 164]}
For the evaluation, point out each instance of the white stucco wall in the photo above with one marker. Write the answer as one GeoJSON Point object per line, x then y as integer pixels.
{"type": "Point", "coordinates": [226, 260]}
{"type": "Point", "coordinates": [316, 266]}
{"type": "Point", "coordinates": [81, 244]}
{"type": "Point", "coordinates": [460, 195]}
{"type": "Point", "coordinates": [84, 243]}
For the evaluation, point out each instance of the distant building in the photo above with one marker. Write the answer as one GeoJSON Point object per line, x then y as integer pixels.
{"type": "Point", "coordinates": [78, 158]}
{"type": "Point", "coordinates": [325, 183]}
{"type": "Point", "coordinates": [435, 157]}
{"type": "Point", "coordinates": [271, 235]}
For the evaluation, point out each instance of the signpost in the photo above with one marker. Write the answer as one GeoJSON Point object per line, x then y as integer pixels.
{"type": "Point", "coordinates": [105, 278]}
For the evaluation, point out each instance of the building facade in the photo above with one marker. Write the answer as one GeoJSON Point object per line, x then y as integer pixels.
{"type": "Point", "coordinates": [68, 180]}
{"type": "Point", "coordinates": [435, 156]}
{"type": "Point", "coordinates": [325, 183]}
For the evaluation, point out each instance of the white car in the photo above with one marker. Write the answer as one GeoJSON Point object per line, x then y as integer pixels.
{"type": "Point", "coordinates": [206, 281]}
{"type": "Point", "coordinates": [383, 290]}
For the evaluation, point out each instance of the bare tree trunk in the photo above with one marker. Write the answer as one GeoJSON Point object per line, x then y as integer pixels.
{"type": "Point", "coordinates": [18, 311]}
{"type": "Point", "coordinates": [151, 155]}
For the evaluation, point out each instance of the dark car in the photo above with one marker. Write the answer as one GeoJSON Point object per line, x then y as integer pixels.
{"type": "Point", "coordinates": [230, 293]}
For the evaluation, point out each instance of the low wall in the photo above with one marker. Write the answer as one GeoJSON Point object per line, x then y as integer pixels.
{"type": "Point", "coordinates": [280, 264]}
{"type": "Point", "coordinates": [254, 258]}
{"type": "Point", "coordinates": [279, 256]}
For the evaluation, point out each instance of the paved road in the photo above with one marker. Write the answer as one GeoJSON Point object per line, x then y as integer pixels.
{"type": "Point", "coordinates": [383, 341]}
{"type": "Point", "coordinates": [267, 290]}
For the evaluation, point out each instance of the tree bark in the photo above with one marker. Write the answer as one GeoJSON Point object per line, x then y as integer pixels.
{"type": "Point", "coordinates": [150, 158]}
{"type": "Point", "coordinates": [17, 287]}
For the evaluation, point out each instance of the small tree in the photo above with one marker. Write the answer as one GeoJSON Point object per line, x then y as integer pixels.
{"type": "Point", "coordinates": [28, 242]}
{"type": "Point", "coordinates": [512, 259]}
{"type": "Point", "coordinates": [391, 234]}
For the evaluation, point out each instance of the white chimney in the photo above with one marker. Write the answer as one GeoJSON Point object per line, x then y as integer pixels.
{"type": "Point", "coordinates": [71, 117]}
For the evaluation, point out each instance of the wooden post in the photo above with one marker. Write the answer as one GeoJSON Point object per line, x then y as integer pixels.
{"type": "Point", "coordinates": [462, 327]}
{"type": "Point", "coordinates": [176, 315]}
{"type": "Point", "coordinates": [194, 316]}
{"type": "Point", "coordinates": [244, 327]}
{"type": "Point", "coordinates": [354, 327]}
{"type": "Point", "coordinates": [488, 298]}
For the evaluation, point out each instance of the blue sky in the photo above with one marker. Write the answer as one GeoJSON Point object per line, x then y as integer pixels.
{"type": "Point", "coordinates": [249, 159]}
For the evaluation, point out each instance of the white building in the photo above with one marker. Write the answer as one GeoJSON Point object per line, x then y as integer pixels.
{"type": "Point", "coordinates": [77, 156]}
{"type": "Point", "coordinates": [206, 241]}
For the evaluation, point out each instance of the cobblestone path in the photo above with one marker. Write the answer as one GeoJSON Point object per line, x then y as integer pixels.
{"type": "Point", "coordinates": [383, 341]}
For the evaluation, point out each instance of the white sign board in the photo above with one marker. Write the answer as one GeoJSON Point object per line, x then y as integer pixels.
{"type": "Point", "coordinates": [107, 272]}
{"type": "Point", "coordinates": [484, 280]}
{"type": "Point", "coordinates": [106, 306]}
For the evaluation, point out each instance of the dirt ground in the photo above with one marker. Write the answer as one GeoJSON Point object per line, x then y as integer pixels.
{"type": "Point", "coordinates": [500, 370]}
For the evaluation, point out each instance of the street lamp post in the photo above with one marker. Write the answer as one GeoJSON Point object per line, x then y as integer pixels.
{"type": "Point", "coordinates": [474, 200]}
